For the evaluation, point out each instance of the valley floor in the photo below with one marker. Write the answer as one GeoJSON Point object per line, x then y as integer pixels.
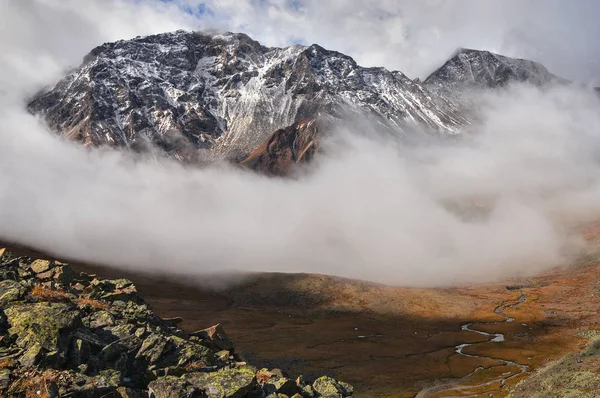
{"type": "Point", "coordinates": [393, 342]}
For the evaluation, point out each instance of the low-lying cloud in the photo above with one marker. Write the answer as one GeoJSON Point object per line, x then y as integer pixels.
{"type": "Point", "coordinates": [502, 201]}
{"type": "Point", "coordinates": [498, 203]}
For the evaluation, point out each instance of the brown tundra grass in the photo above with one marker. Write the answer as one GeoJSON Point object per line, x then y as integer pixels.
{"type": "Point", "coordinates": [58, 296]}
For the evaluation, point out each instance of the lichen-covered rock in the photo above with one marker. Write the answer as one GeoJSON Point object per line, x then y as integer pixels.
{"type": "Point", "coordinates": [281, 386]}
{"type": "Point", "coordinates": [347, 389]}
{"type": "Point", "coordinates": [51, 325]}
{"type": "Point", "coordinates": [101, 319]}
{"type": "Point", "coordinates": [153, 348]}
{"type": "Point", "coordinates": [11, 290]}
{"type": "Point", "coordinates": [188, 352]}
{"type": "Point", "coordinates": [68, 334]}
{"type": "Point", "coordinates": [64, 275]}
{"type": "Point", "coordinates": [113, 290]}
{"type": "Point", "coordinates": [225, 383]}
{"type": "Point", "coordinates": [275, 382]}
{"type": "Point", "coordinates": [4, 379]}
{"type": "Point", "coordinates": [39, 266]}
{"type": "Point", "coordinates": [32, 355]}
{"type": "Point", "coordinates": [108, 378]}
{"type": "Point", "coordinates": [328, 387]}
{"type": "Point", "coordinates": [173, 387]}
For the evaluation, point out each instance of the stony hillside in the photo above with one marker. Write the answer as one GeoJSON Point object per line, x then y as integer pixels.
{"type": "Point", "coordinates": [67, 334]}
{"type": "Point", "coordinates": [225, 93]}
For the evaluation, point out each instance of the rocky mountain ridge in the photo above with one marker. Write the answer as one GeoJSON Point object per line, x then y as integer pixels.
{"type": "Point", "coordinates": [68, 334]}
{"type": "Point", "coordinates": [225, 93]}
{"type": "Point", "coordinates": [200, 97]}
{"type": "Point", "coordinates": [470, 70]}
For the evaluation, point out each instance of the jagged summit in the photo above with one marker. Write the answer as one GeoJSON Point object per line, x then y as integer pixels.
{"type": "Point", "coordinates": [477, 69]}
{"type": "Point", "coordinates": [225, 93]}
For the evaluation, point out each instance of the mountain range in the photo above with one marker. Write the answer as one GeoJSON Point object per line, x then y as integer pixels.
{"type": "Point", "coordinates": [201, 97]}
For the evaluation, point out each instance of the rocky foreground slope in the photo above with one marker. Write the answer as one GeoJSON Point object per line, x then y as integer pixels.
{"type": "Point", "coordinates": [67, 334]}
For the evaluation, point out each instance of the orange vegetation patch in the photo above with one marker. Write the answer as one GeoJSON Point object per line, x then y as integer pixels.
{"type": "Point", "coordinates": [92, 303]}
{"type": "Point", "coordinates": [59, 296]}
{"type": "Point", "coordinates": [6, 363]}
{"type": "Point", "coordinates": [52, 295]}
{"type": "Point", "coordinates": [263, 376]}
{"type": "Point", "coordinates": [37, 386]}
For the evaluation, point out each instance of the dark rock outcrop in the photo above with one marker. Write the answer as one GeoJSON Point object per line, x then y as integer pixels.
{"type": "Point", "coordinates": [287, 147]}
{"type": "Point", "coordinates": [69, 334]}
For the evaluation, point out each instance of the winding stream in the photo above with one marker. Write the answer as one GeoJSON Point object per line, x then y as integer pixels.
{"type": "Point", "coordinates": [455, 386]}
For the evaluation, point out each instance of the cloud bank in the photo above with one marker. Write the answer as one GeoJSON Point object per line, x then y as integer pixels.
{"type": "Point", "coordinates": [501, 202]}
{"type": "Point", "coordinates": [417, 36]}
{"type": "Point", "coordinates": [414, 37]}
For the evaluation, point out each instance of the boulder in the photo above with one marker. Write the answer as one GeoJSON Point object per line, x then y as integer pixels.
{"type": "Point", "coordinates": [11, 290]}
{"type": "Point", "coordinates": [173, 387]}
{"type": "Point", "coordinates": [189, 352]}
{"type": "Point", "coordinates": [32, 355]}
{"type": "Point", "coordinates": [39, 266]}
{"type": "Point", "coordinates": [45, 275]}
{"type": "Point", "coordinates": [4, 379]}
{"type": "Point", "coordinates": [153, 348]}
{"type": "Point", "coordinates": [101, 319]}
{"type": "Point", "coordinates": [216, 335]}
{"type": "Point", "coordinates": [225, 383]}
{"type": "Point", "coordinates": [64, 275]}
{"type": "Point", "coordinates": [79, 353]}
{"type": "Point", "coordinates": [328, 387]}
{"type": "Point", "coordinates": [49, 325]}
{"type": "Point", "coordinates": [113, 290]}
{"type": "Point", "coordinates": [281, 386]}
{"type": "Point", "coordinates": [275, 382]}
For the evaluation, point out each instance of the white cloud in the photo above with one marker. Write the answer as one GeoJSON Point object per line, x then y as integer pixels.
{"type": "Point", "coordinates": [417, 36]}
{"type": "Point", "coordinates": [369, 209]}
{"type": "Point", "coordinates": [500, 204]}
{"type": "Point", "coordinates": [412, 36]}
{"type": "Point", "coordinates": [39, 38]}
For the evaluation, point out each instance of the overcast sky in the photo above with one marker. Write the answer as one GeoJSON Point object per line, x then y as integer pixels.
{"type": "Point", "coordinates": [412, 36]}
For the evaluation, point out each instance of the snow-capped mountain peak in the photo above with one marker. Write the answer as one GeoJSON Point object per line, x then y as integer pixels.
{"type": "Point", "coordinates": [225, 93]}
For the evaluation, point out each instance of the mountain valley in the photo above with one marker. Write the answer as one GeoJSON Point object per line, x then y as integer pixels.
{"type": "Point", "coordinates": [200, 99]}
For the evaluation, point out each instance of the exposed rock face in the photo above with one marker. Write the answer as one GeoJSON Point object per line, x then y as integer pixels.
{"type": "Point", "coordinates": [84, 337]}
{"type": "Point", "coordinates": [286, 147]}
{"type": "Point", "coordinates": [477, 70]}
{"type": "Point", "coordinates": [226, 93]}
